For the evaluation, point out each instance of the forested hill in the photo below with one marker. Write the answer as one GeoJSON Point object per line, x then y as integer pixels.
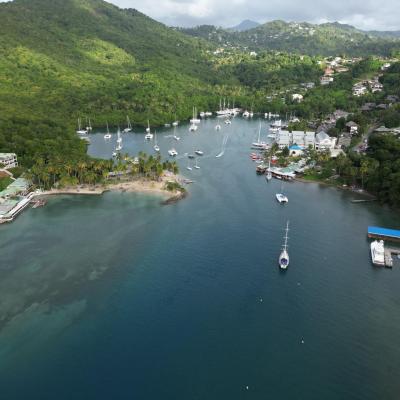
{"type": "Point", "coordinates": [302, 38]}
{"type": "Point", "coordinates": [60, 59]}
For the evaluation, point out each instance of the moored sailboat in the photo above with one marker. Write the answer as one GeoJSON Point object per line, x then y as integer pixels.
{"type": "Point", "coordinates": [284, 256]}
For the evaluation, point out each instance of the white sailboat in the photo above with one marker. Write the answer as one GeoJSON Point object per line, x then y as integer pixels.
{"type": "Point", "coordinates": [119, 141]}
{"type": "Point", "coordinates": [196, 166]}
{"type": "Point", "coordinates": [259, 144]}
{"type": "Point", "coordinates": [195, 120]}
{"type": "Point", "coordinates": [107, 136]}
{"type": "Point", "coordinates": [175, 136]}
{"type": "Point", "coordinates": [193, 128]}
{"type": "Point", "coordinates": [218, 127]}
{"type": "Point", "coordinates": [189, 168]}
{"type": "Point", "coordinates": [284, 256]}
{"type": "Point", "coordinates": [149, 135]}
{"type": "Point", "coordinates": [156, 147]}
{"type": "Point", "coordinates": [81, 131]}
{"type": "Point", "coordinates": [89, 127]}
{"type": "Point", "coordinates": [269, 173]}
{"type": "Point", "coordinates": [246, 114]}
{"type": "Point", "coordinates": [129, 126]}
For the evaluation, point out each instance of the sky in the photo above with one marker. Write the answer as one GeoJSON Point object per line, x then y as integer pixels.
{"type": "Point", "coordinates": [364, 14]}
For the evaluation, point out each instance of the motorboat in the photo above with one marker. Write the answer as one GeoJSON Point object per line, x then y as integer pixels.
{"type": "Point", "coordinates": [378, 252]}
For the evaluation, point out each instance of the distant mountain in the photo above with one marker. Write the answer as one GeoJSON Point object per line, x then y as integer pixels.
{"type": "Point", "coordinates": [385, 34]}
{"type": "Point", "coordinates": [302, 38]}
{"type": "Point", "coordinates": [245, 26]}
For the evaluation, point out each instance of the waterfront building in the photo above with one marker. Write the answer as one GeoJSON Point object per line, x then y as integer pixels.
{"type": "Point", "coordinates": [9, 160]}
{"type": "Point", "coordinates": [324, 142]}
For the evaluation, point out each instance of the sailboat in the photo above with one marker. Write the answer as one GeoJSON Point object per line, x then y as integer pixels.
{"type": "Point", "coordinates": [195, 120]}
{"type": "Point", "coordinates": [175, 137]}
{"type": "Point", "coordinates": [193, 127]}
{"type": "Point", "coordinates": [156, 147]}
{"type": "Point", "coordinates": [259, 144]}
{"type": "Point", "coordinates": [107, 136]}
{"type": "Point", "coordinates": [196, 166]}
{"type": "Point", "coordinates": [281, 197]}
{"type": "Point", "coordinates": [89, 127]}
{"type": "Point", "coordinates": [269, 173]}
{"type": "Point", "coordinates": [218, 127]}
{"type": "Point", "coordinates": [129, 126]}
{"type": "Point", "coordinates": [188, 166]}
{"type": "Point", "coordinates": [284, 256]}
{"type": "Point", "coordinates": [81, 131]}
{"type": "Point", "coordinates": [149, 135]}
{"type": "Point", "coordinates": [119, 141]}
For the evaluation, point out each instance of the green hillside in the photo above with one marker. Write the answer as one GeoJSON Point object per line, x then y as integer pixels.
{"type": "Point", "coordinates": [301, 38]}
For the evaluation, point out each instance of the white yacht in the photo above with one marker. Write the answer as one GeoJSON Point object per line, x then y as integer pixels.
{"type": "Point", "coordinates": [149, 135]}
{"type": "Point", "coordinates": [107, 136]}
{"type": "Point", "coordinates": [175, 123]}
{"type": "Point", "coordinates": [81, 131]}
{"type": "Point", "coordinates": [223, 111]}
{"type": "Point", "coordinates": [378, 252]}
{"type": "Point", "coordinates": [282, 198]}
{"type": "Point", "coordinates": [246, 114]}
{"type": "Point", "coordinates": [194, 120]}
{"type": "Point", "coordinates": [202, 114]}
{"type": "Point", "coordinates": [209, 114]}
{"type": "Point", "coordinates": [284, 256]}
{"type": "Point", "coordinates": [199, 152]}
{"type": "Point", "coordinates": [128, 127]}
{"type": "Point", "coordinates": [156, 146]}
{"type": "Point", "coordinates": [259, 144]}
{"type": "Point", "coordinates": [172, 153]}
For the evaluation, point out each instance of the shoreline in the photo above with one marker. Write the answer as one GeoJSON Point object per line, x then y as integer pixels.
{"type": "Point", "coordinates": [134, 186]}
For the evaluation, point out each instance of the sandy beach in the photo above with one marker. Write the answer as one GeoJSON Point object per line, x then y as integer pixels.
{"type": "Point", "coordinates": [130, 186]}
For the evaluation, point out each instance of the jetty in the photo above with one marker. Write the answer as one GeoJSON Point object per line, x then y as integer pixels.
{"type": "Point", "coordinates": [389, 253]}
{"type": "Point", "coordinates": [390, 235]}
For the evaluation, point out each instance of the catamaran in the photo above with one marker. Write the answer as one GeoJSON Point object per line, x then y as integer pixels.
{"type": "Point", "coordinates": [284, 256]}
{"type": "Point", "coordinates": [129, 126]}
{"type": "Point", "coordinates": [149, 135]}
{"type": "Point", "coordinates": [195, 120]}
{"type": "Point", "coordinates": [172, 152]}
{"type": "Point", "coordinates": [281, 197]}
{"type": "Point", "coordinates": [107, 136]}
{"type": "Point", "coordinates": [81, 131]}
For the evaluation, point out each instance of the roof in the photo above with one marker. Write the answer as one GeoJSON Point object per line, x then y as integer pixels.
{"type": "Point", "coordinates": [375, 230]}
{"type": "Point", "coordinates": [16, 187]}
{"type": "Point", "coordinates": [322, 136]}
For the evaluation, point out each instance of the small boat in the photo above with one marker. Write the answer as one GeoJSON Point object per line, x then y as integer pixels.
{"type": "Point", "coordinates": [378, 252]}
{"type": "Point", "coordinates": [81, 131]}
{"type": "Point", "coordinates": [175, 136]}
{"type": "Point", "coordinates": [172, 152]}
{"type": "Point", "coordinates": [149, 135]}
{"type": "Point", "coordinates": [114, 154]}
{"type": "Point", "coordinates": [195, 120]}
{"type": "Point", "coordinates": [282, 198]}
{"type": "Point", "coordinates": [284, 256]}
{"type": "Point", "coordinates": [199, 152]}
{"type": "Point", "coordinates": [119, 147]}
{"type": "Point", "coordinates": [196, 166]}
{"type": "Point", "coordinates": [202, 114]}
{"type": "Point", "coordinates": [228, 121]}
{"type": "Point", "coordinates": [193, 128]}
{"type": "Point", "coordinates": [156, 147]}
{"type": "Point", "coordinates": [129, 126]}
{"type": "Point", "coordinates": [209, 114]}
{"type": "Point", "coordinates": [167, 125]}
{"type": "Point", "coordinates": [218, 127]}
{"type": "Point", "coordinates": [246, 114]}
{"type": "Point", "coordinates": [191, 156]}
{"type": "Point", "coordinates": [107, 136]}
{"type": "Point", "coordinates": [189, 168]}
{"type": "Point", "coordinates": [176, 123]}
{"type": "Point", "coordinates": [187, 181]}
{"type": "Point", "coordinates": [259, 144]}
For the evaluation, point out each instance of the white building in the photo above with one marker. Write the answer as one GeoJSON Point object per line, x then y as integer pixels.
{"type": "Point", "coordinates": [283, 139]}
{"type": "Point", "coordinates": [324, 142]}
{"type": "Point", "coordinates": [299, 138]}
{"type": "Point", "coordinates": [359, 90]}
{"type": "Point", "coordinates": [297, 97]}
{"type": "Point", "coordinates": [326, 80]}
{"type": "Point", "coordinates": [9, 160]}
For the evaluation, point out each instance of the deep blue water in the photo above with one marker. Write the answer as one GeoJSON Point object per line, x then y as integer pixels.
{"type": "Point", "coordinates": [117, 297]}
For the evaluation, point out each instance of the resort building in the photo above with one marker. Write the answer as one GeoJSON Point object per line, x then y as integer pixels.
{"type": "Point", "coordinates": [324, 142]}
{"type": "Point", "coordinates": [283, 139]}
{"type": "Point", "coordinates": [9, 160]}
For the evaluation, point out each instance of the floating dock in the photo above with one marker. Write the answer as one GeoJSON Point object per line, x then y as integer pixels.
{"type": "Point", "coordinates": [390, 235]}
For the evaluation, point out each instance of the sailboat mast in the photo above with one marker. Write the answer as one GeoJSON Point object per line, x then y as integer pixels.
{"type": "Point", "coordinates": [286, 236]}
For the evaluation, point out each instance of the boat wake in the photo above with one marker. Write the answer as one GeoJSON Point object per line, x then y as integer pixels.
{"type": "Point", "coordinates": [224, 142]}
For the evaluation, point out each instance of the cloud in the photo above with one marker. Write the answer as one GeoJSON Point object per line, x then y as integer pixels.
{"type": "Point", "coordinates": [365, 14]}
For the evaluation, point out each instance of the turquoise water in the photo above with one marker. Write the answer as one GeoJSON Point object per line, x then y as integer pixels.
{"type": "Point", "coordinates": [118, 297]}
